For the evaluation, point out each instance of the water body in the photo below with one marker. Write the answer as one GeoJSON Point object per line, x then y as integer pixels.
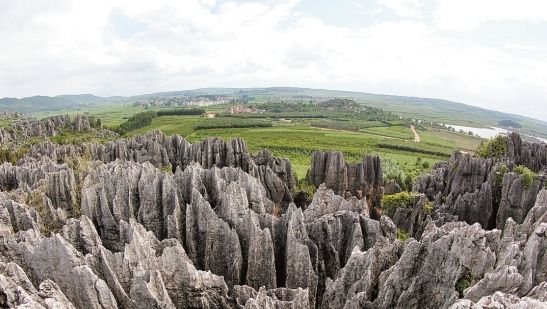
{"type": "Point", "coordinates": [481, 132]}
{"type": "Point", "coordinates": [489, 132]}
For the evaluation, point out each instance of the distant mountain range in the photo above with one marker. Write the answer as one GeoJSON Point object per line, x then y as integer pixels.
{"type": "Point", "coordinates": [441, 111]}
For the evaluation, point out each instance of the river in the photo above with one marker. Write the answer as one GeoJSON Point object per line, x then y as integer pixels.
{"type": "Point", "coordinates": [489, 132]}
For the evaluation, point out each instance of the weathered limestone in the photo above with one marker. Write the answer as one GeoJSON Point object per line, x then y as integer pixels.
{"type": "Point", "coordinates": [485, 190]}
{"type": "Point", "coordinates": [531, 155]}
{"type": "Point", "coordinates": [363, 179]}
{"type": "Point", "coordinates": [283, 298]}
{"type": "Point", "coordinates": [275, 174]}
{"type": "Point", "coordinates": [156, 222]}
{"type": "Point", "coordinates": [18, 291]}
{"type": "Point", "coordinates": [516, 199]}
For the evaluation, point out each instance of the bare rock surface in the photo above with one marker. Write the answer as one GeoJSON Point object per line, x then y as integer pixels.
{"type": "Point", "coordinates": [275, 174]}
{"type": "Point", "coordinates": [157, 222]}
{"type": "Point", "coordinates": [487, 191]}
{"type": "Point", "coordinates": [364, 179]}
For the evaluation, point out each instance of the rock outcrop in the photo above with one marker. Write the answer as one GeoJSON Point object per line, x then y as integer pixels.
{"type": "Point", "coordinates": [487, 191]}
{"type": "Point", "coordinates": [25, 128]}
{"type": "Point", "coordinates": [451, 261]}
{"type": "Point", "coordinates": [364, 179]}
{"type": "Point", "coordinates": [531, 155]}
{"type": "Point", "coordinates": [157, 222]}
{"type": "Point", "coordinates": [275, 174]}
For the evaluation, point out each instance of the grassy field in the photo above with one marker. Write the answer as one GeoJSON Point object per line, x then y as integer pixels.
{"type": "Point", "coordinates": [397, 132]}
{"type": "Point", "coordinates": [296, 141]}
{"type": "Point", "coordinates": [450, 139]}
{"type": "Point", "coordinates": [181, 125]}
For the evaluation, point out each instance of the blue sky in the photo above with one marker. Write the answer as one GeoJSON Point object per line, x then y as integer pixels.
{"type": "Point", "coordinates": [488, 53]}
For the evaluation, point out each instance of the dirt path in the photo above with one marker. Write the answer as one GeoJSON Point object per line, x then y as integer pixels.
{"type": "Point", "coordinates": [416, 135]}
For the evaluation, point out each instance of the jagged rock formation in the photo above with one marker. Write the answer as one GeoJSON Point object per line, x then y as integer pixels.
{"type": "Point", "coordinates": [414, 219]}
{"type": "Point", "coordinates": [500, 300]}
{"type": "Point", "coordinates": [109, 226]}
{"type": "Point", "coordinates": [212, 219]}
{"type": "Point", "coordinates": [487, 262]}
{"type": "Point", "coordinates": [363, 179]}
{"type": "Point", "coordinates": [531, 155]}
{"type": "Point", "coordinates": [18, 290]}
{"type": "Point", "coordinates": [24, 128]}
{"type": "Point", "coordinates": [516, 198]}
{"type": "Point", "coordinates": [480, 190]}
{"type": "Point", "coordinates": [392, 187]}
{"type": "Point", "coordinates": [159, 150]}
{"type": "Point", "coordinates": [271, 299]}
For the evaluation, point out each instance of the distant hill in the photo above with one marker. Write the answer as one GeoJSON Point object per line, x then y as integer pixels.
{"type": "Point", "coordinates": [441, 111]}
{"type": "Point", "coordinates": [57, 103]}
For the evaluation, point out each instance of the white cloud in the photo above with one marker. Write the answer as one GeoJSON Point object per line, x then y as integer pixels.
{"type": "Point", "coordinates": [127, 47]}
{"type": "Point", "coordinates": [466, 15]}
{"type": "Point", "coordinates": [404, 8]}
{"type": "Point", "coordinates": [358, 4]}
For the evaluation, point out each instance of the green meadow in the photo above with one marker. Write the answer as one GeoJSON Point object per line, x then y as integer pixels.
{"type": "Point", "coordinates": [296, 141]}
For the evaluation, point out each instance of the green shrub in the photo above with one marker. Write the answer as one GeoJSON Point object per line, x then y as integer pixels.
{"type": "Point", "coordinates": [94, 122]}
{"type": "Point", "coordinates": [528, 176]}
{"type": "Point", "coordinates": [12, 155]}
{"type": "Point", "coordinates": [181, 111]}
{"type": "Point", "coordinates": [402, 235]}
{"type": "Point", "coordinates": [390, 203]}
{"type": "Point", "coordinates": [413, 149]}
{"type": "Point", "coordinates": [136, 121]}
{"type": "Point", "coordinates": [493, 148]}
{"type": "Point", "coordinates": [221, 123]}
{"type": "Point", "coordinates": [502, 170]}
{"type": "Point", "coordinates": [306, 186]}
{"type": "Point", "coordinates": [392, 171]}
{"type": "Point", "coordinates": [167, 169]}
{"type": "Point", "coordinates": [408, 182]}
{"type": "Point", "coordinates": [428, 207]}
{"type": "Point", "coordinates": [464, 282]}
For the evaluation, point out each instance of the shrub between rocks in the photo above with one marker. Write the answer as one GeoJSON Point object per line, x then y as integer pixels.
{"type": "Point", "coordinates": [493, 148]}
{"type": "Point", "coordinates": [402, 235]}
{"type": "Point", "coordinates": [390, 203]}
{"type": "Point", "coordinates": [528, 176]}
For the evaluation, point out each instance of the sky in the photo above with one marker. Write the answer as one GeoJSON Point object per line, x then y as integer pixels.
{"type": "Point", "coordinates": [487, 53]}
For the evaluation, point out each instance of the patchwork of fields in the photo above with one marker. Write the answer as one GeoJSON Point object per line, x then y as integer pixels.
{"type": "Point", "coordinates": [297, 140]}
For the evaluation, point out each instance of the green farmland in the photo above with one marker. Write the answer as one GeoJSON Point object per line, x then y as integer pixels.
{"type": "Point", "coordinates": [297, 140]}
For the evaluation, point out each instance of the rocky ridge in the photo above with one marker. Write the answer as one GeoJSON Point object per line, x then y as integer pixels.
{"type": "Point", "coordinates": [487, 191]}
{"type": "Point", "coordinates": [161, 151]}
{"type": "Point", "coordinates": [157, 222]}
{"type": "Point", "coordinates": [24, 128]}
{"type": "Point", "coordinates": [364, 179]}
